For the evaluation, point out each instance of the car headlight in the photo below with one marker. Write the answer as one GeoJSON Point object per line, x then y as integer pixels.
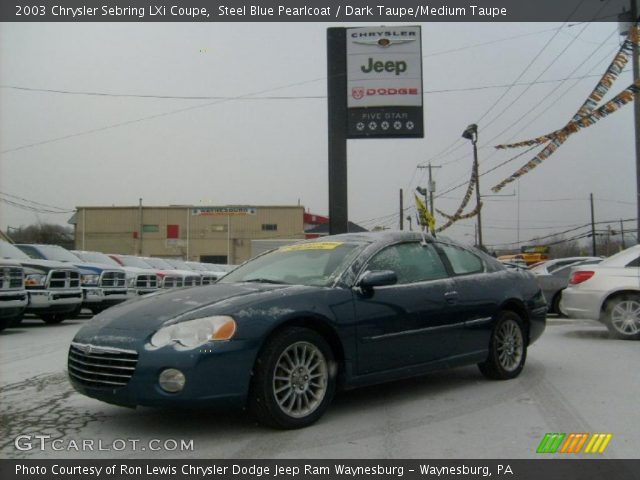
{"type": "Point", "coordinates": [194, 333]}
{"type": "Point", "coordinates": [89, 279]}
{"type": "Point", "coordinates": [35, 280]}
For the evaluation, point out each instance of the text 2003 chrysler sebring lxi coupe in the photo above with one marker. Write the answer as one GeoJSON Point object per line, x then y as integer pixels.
{"type": "Point", "coordinates": [280, 332]}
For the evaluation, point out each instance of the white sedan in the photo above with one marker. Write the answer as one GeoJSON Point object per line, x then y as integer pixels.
{"type": "Point", "coordinates": [608, 292]}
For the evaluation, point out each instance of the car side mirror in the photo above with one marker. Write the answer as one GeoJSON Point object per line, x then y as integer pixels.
{"type": "Point", "coordinates": [378, 278]}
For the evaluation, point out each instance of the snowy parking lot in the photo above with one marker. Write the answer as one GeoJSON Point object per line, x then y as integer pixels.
{"type": "Point", "coordinates": [576, 380]}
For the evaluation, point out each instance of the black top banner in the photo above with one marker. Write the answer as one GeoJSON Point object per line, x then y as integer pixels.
{"type": "Point", "coordinates": [313, 11]}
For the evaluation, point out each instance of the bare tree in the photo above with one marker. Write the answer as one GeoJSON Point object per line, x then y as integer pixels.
{"type": "Point", "coordinates": [48, 233]}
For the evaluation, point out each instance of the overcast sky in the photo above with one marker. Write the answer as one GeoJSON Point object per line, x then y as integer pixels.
{"type": "Point", "coordinates": [273, 151]}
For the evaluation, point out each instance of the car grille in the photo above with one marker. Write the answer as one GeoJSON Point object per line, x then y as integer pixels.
{"type": "Point", "coordinates": [11, 278]}
{"type": "Point", "coordinates": [64, 279]}
{"type": "Point", "coordinates": [110, 279]}
{"type": "Point", "coordinates": [146, 281]}
{"type": "Point", "coordinates": [172, 282]}
{"type": "Point", "coordinates": [191, 281]}
{"type": "Point", "coordinates": [101, 367]}
{"type": "Point", "coordinates": [208, 279]}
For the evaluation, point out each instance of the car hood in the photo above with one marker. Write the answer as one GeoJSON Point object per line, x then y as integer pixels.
{"type": "Point", "coordinates": [91, 267]}
{"type": "Point", "coordinates": [45, 265]}
{"type": "Point", "coordinates": [146, 314]}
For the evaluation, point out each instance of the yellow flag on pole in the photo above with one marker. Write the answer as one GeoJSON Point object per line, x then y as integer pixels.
{"type": "Point", "coordinates": [426, 219]}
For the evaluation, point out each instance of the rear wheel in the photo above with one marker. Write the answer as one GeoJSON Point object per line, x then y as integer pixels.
{"type": "Point", "coordinates": [53, 318]}
{"type": "Point", "coordinates": [622, 317]}
{"type": "Point", "coordinates": [294, 379]}
{"type": "Point", "coordinates": [507, 348]}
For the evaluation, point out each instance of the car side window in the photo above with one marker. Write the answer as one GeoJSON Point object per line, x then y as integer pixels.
{"type": "Point", "coordinates": [462, 261]}
{"type": "Point", "coordinates": [412, 262]}
{"type": "Point", "coordinates": [634, 263]}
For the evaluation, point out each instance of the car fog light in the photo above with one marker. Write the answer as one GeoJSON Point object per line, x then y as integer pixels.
{"type": "Point", "coordinates": [171, 380]}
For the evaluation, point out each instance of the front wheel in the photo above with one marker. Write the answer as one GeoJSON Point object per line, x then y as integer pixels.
{"type": "Point", "coordinates": [507, 348]}
{"type": "Point", "coordinates": [294, 379]}
{"type": "Point", "coordinates": [622, 317]}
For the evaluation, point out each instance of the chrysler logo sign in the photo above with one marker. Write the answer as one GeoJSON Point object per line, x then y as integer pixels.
{"type": "Point", "coordinates": [384, 42]}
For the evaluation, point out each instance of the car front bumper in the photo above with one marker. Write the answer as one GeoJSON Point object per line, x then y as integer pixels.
{"type": "Point", "coordinates": [12, 303]}
{"type": "Point", "coordinates": [94, 296]}
{"type": "Point", "coordinates": [62, 300]}
{"type": "Point", "coordinates": [216, 373]}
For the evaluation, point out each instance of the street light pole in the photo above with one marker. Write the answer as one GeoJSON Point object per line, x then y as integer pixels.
{"type": "Point", "coordinates": [471, 133]}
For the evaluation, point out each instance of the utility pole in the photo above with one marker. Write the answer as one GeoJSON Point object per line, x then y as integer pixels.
{"type": "Point", "coordinates": [622, 235]}
{"type": "Point", "coordinates": [431, 188]}
{"type": "Point", "coordinates": [593, 227]}
{"type": "Point", "coordinates": [636, 115]}
{"type": "Point", "coordinates": [141, 227]}
{"type": "Point", "coordinates": [478, 200]}
{"type": "Point", "coordinates": [401, 211]}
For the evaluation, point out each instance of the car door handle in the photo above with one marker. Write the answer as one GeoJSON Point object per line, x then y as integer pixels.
{"type": "Point", "coordinates": [451, 297]}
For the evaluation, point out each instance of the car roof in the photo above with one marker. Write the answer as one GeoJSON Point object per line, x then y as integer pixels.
{"type": "Point", "coordinates": [385, 236]}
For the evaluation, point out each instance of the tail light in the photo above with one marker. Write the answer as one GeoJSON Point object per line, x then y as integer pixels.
{"type": "Point", "coordinates": [581, 276]}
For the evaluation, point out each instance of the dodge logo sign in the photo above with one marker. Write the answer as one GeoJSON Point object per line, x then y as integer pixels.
{"type": "Point", "coordinates": [357, 92]}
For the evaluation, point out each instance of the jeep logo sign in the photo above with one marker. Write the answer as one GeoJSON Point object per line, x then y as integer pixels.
{"type": "Point", "coordinates": [384, 82]}
{"type": "Point", "coordinates": [389, 66]}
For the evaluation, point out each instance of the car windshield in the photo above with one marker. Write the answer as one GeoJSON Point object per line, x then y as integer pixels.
{"type": "Point", "coordinates": [9, 251]}
{"type": "Point", "coordinates": [54, 252]}
{"type": "Point", "coordinates": [180, 264]}
{"type": "Point", "coordinates": [97, 257]}
{"type": "Point", "coordinates": [129, 261]}
{"type": "Point", "coordinates": [159, 263]}
{"type": "Point", "coordinates": [312, 264]}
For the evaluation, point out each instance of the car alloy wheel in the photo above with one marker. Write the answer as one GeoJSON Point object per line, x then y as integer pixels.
{"type": "Point", "coordinates": [507, 348]}
{"type": "Point", "coordinates": [623, 317]}
{"type": "Point", "coordinates": [300, 379]}
{"type": "Point", "coordinates": [509, 344]}
{"type": "Point", "coordinates": [294, 379]}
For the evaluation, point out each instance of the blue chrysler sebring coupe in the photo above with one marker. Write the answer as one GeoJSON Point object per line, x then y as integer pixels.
{"type": "Point", "coordinates": [281, 332]}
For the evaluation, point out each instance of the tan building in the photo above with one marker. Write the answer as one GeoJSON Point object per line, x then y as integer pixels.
{"type": "Point", "coordinates": [207, 234]}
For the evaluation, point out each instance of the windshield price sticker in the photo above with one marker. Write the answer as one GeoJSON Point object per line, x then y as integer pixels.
{"type": "Point", "coordinates": [312, 246]}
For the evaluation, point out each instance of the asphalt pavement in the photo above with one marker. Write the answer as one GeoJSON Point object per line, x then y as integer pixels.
{"type": "Point", "coordinates": [576, 379]}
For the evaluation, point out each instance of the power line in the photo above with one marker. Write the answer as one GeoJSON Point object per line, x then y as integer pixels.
{"type": "Point", "coordinates": [149, 117]}
{"type": "Point", "coordinates": [38, 204]}
{"type": "Point", "coordinates": [270, 97]}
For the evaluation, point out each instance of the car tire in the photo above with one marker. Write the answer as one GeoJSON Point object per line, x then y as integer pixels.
{"type": "Point", "coordinates": [16, 321]}
{"type": "Point", "coordinates": [507, 348]}
{"type": "Point", "coordinates": [555, 304]}
{"type": "Point", "coordinates": [5, 323]}
{"type": "Point", "coordinates": [622, 317]}
{"type": "Point", "coordinates": [294, 379]}
{"type": "Point", "coordinates": [75, 313]}
{"type": "Point", "coordinates": [53, 318]}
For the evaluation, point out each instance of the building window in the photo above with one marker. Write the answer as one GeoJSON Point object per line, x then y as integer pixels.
{"type": "Point", "coordinates": [269, 227]}
{"type": "Point", "coordinates": [146, 228]}
{"type": "Point", "coordinates": [217, 259]}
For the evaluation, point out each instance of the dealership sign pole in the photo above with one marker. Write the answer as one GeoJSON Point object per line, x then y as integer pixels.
{"type": "Point", "coordinates": [374, 91]}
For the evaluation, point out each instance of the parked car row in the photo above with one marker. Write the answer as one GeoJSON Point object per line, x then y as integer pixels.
{"type": "Point", "coordinates": [55, 283]}
{"type": "Point", "coordinates": [608, 292]}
